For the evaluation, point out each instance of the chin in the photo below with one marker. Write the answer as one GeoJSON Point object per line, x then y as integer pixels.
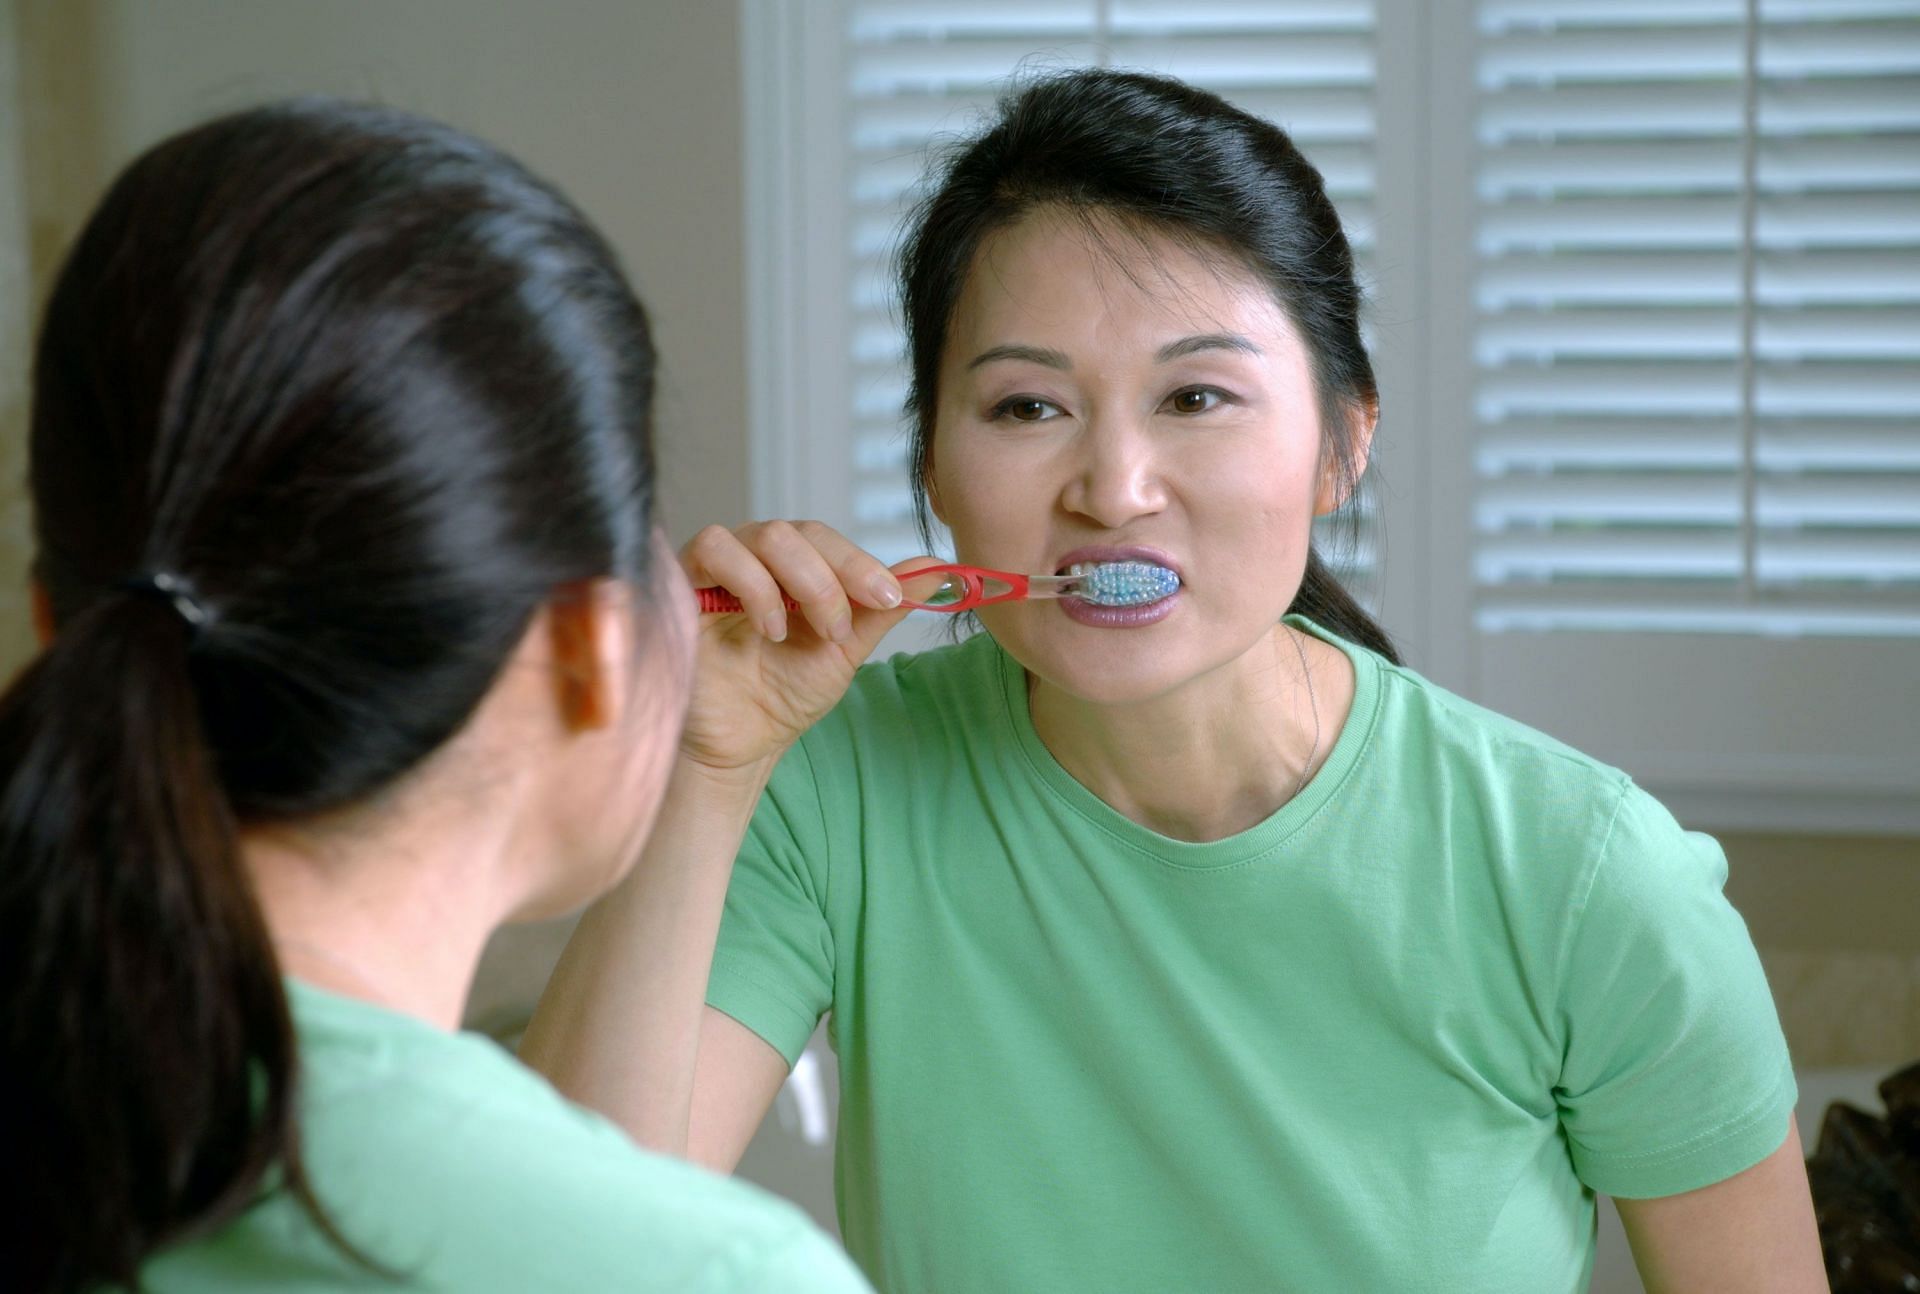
{"type": "Point", "coordinates": [1125, 666]}
{"type": "Point", "coordinates": [1106, 671]}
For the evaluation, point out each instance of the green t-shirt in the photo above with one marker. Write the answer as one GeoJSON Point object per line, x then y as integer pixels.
{"type": "Point", "coordinates": [1391, 1038]}
{"type": "Point", "coordinates": [443, 1157]}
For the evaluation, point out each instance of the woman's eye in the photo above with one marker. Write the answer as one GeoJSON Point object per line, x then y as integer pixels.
{"type": "Point", "coordinates": [1025, 408]}
{"type": "Point", "coordinates": [1195, 399]}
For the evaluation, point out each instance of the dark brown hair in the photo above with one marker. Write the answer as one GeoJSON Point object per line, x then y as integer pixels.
{"type": "Point", "coordinates": [328, 399]}
{"type": "Point", "coordinates": [1173, 159]}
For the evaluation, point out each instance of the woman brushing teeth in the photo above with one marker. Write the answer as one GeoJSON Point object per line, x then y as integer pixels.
{"type": "Point", "coordinates": [1174, 937]}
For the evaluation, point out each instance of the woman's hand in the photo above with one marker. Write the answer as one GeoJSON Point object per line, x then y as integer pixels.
{"type": "Point", "coordinates": [764, 675]}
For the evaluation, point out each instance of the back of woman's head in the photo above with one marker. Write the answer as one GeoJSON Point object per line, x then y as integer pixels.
{"type": "Point", "coordinates": [1172, 160]}
{"type": "Point", "coordinates": [328, 400]}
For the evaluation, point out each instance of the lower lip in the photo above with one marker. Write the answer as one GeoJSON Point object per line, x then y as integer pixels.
{"type": "Point", "coordinates": [1089, 613]}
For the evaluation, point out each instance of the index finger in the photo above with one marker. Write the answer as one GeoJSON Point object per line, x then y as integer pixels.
{"type": "Point", "coordinates": [864, 576]}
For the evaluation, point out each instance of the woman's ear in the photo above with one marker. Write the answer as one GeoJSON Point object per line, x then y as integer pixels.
{"type": "Point", "coordinates": [1334, 489]}
{"type": "Point", "coordinates": [590, 638]}
{"type": "Point", "coordinates": [42, 611]}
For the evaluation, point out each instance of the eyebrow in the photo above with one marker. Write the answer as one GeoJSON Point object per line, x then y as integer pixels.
{"type": "Point", "coordinates": [1171, 351]}
{"type": "Point", "coordinates": [1031, 354]}
{"type": "Point", "coordinates": [1206, 341]}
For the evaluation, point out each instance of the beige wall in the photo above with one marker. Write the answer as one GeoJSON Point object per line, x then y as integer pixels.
{"type": "Point", "coordinates": [1837, 922]}
{"type": "Point", "coordinates": [633, 107]}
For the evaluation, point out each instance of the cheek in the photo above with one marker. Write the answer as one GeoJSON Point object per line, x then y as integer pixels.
{"type": "Point", "coordinates": [977, 491]}
{"type": "Point", "coordinates": [941, 477]}
{"type": "Point", "coordinates": [1269, 488]}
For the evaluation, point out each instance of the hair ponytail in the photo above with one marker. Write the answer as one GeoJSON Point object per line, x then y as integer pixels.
{"type": "Point", "coordinates": [1324, 600]}
{"type": "Point", "coordinates": [149, 1057]}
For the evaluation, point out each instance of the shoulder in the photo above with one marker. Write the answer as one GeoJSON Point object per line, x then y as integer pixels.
{"type": "Point", "coordinates": [482, 1175]}
{"type": "Point", "coordinates": [1485, 795]}
{"type": "Point", "coordinates": [1650, 865]}
{"type": "Point", "coordinates": [1561, 822]}
{"type": "Point", "coordinates": [1503, 770]}
{"type": "Point", "coordinates": [1462, 731]}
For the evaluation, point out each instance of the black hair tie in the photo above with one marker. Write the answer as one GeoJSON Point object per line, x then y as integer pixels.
{"type": "Point", "coordinates": [176, 592]}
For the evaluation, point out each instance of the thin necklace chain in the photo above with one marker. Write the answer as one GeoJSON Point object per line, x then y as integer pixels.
{"type": "Point", "coordinates": [1313, 703]}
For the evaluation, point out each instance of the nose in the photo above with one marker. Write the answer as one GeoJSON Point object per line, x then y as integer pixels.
{"type": "Point", "coordinates": [1118, 474]}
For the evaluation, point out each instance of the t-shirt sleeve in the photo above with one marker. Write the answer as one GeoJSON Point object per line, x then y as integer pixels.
{"type": "Point", "coordinates": [808, 1264]}
{"type": "Point", "coordinates": [1675, 1073]}
{"type": "Point", "coordinates": [773, 966]}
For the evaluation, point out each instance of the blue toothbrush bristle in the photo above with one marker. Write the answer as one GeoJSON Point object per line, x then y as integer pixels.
{"type": "Point", "coordinates": [1127, 584]}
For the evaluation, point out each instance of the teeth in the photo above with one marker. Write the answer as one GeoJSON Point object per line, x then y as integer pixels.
{"type": "Point", "coordinates": [1123, 583]}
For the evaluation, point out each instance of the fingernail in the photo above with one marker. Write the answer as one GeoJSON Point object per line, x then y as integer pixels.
{"type": "Point", "coordinates": [775, 627]}
{"type": "Point", "coordinates": [885, 591]}
{"type": "Point", "coordinates": [840, 629]}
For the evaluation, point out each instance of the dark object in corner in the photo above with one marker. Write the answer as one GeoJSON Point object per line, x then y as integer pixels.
{"type": "Point", "coordinates": [1865, 1174]}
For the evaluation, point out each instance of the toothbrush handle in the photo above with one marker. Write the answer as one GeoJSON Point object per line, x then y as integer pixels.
{"type": "Point", "coordinates": [717, 601]}
{"type": "Point", "coordinates": [1051, 586]}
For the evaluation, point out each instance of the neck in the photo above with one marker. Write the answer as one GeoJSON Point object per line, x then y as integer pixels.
{"type": "Point", "coordinates": [1215, 757]}
{"type": "Point", "coordinates": [396, 914]}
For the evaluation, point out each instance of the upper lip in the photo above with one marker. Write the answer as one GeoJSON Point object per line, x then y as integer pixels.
{"type": "Point", "coordinates": [1120, 553]}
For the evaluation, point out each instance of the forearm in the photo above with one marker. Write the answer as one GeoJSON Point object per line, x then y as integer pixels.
{"type": "Point", "coordinates": [618, 1027]}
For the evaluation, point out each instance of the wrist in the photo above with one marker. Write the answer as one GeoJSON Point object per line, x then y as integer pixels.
{"type": "Point", "coordinates": [724, 783]}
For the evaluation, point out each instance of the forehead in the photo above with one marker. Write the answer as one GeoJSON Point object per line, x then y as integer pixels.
{"type": "Point", "coordinates": [1107, 278]}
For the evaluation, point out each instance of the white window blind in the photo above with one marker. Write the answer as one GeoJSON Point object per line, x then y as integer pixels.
{"type": "Point", "coordinates": [1694, 548]}
{"type": "Point", "coordinates": [1697, 332]}
{"type": "Point", "coordinates": [1648, 319]}
{"type": "Point", "coordinates": [919, 73]}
